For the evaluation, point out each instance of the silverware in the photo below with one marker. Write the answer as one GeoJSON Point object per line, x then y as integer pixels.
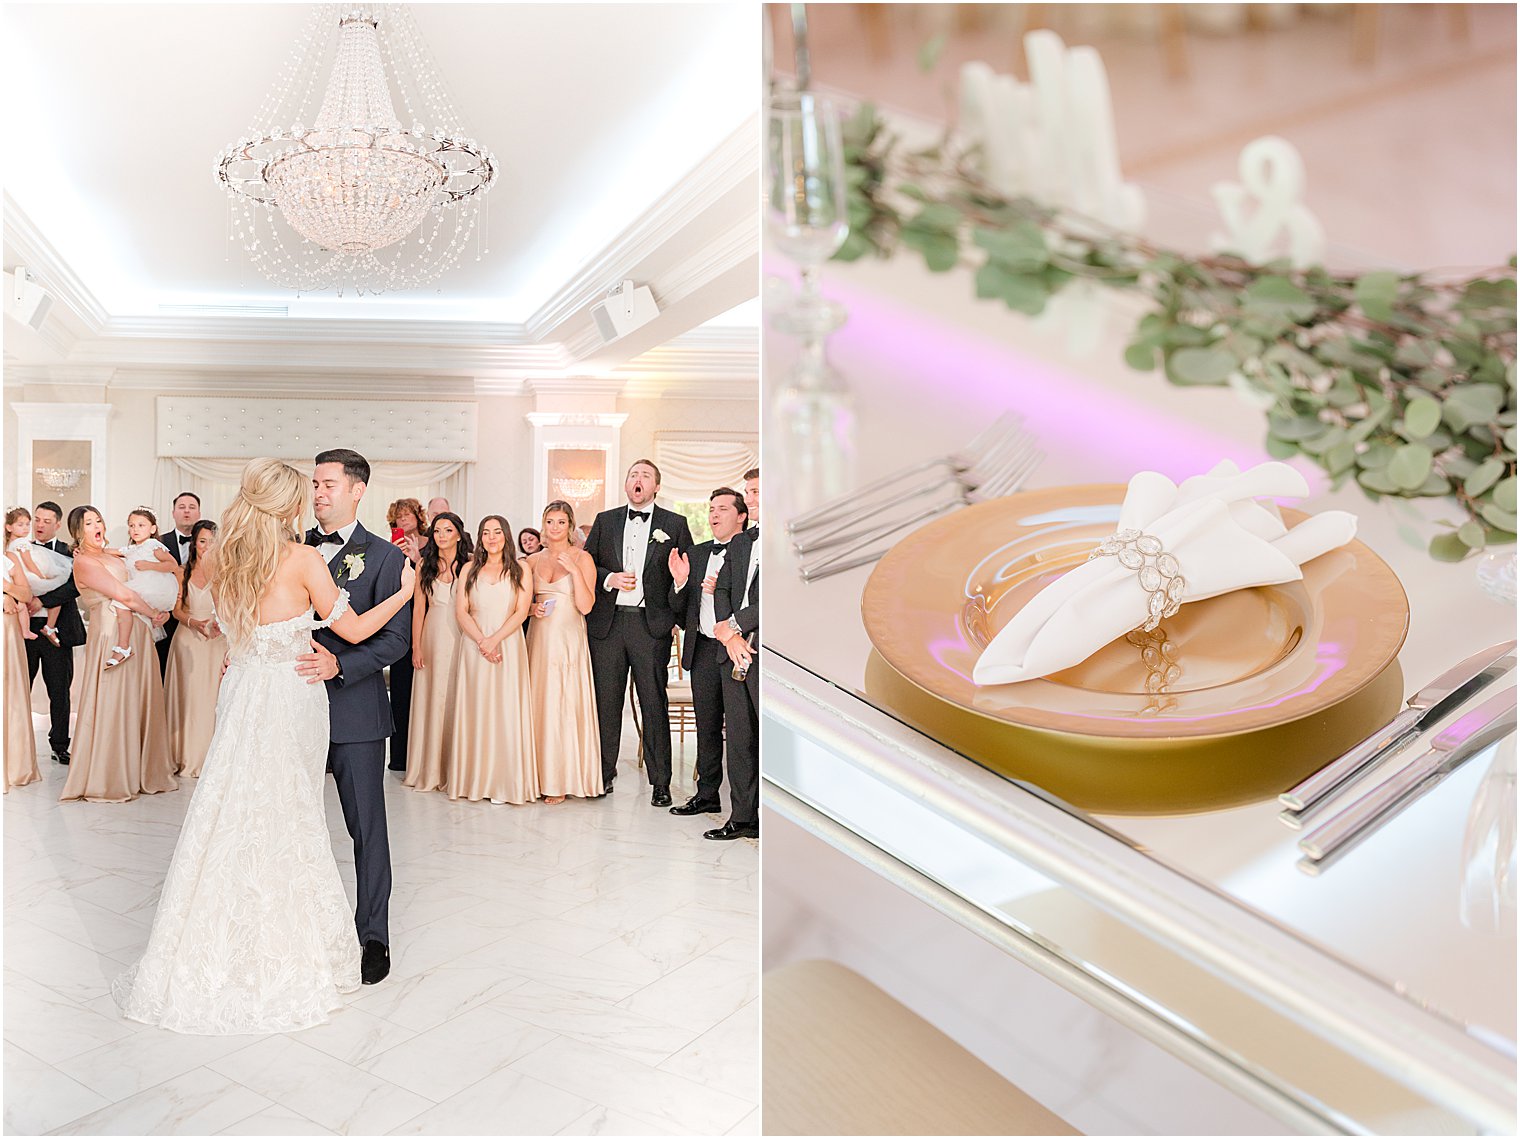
{"type": "Point", "coordinates": [1009, 476]}
{"type": "Point", "coordinates": [1449, 690]}
{"type": "Point", "coordinates": [859, 501]}
{"type": "Point", "coordinates": [1458, 742]}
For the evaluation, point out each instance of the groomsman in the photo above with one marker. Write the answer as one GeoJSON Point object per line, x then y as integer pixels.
{"type": "Point", "coordinates": [736, 605]}
{"type": "Point", "coordinates": [630, 624]}
{"type": "Point", "coordinates": [752, 494]}
{"type": "Point", "coordinates": [55, 661]}
{"type": "Point", "coordinates": [703, 658]}
{"type": "Point", "coordinates": [187, 512]}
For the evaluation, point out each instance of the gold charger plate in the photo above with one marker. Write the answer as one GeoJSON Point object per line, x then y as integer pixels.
{"type": "Point", "coordinates": [1233, 700]}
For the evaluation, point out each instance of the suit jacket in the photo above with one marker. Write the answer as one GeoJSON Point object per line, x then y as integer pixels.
{"type": "Point", "coordinates": [728, 598]}
{"type": "Point", "coordinates": [687, 603]}
{"type": "Point", "coordinates": [358, 703]}
{"type": "Point", "coordinates": [172, 545]}
{"type": "Point", "coordinates": [70, 624]}
{"type": "Point", "coordinates": [605, 545]}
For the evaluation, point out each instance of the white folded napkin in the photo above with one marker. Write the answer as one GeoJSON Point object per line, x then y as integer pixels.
{"type": "Point", "coordinates": [1222, 540]}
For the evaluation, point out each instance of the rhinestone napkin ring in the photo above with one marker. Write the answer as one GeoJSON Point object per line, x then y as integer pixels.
{"type": "Point", "coordinates": [1160, 575]}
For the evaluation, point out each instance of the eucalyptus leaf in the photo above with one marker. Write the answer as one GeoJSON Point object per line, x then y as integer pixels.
{"type": "Point", "coordinates": [1448, 548]}
{"type": "Point", "coordinates": [1376, 293]}
{"type": "Point", "coordinates": [1140, 356]}
{"type": "Point", "coordinates": [1278, 297]}
{"type": "Point", "coordinates": [1483, 477]}
{"type": "Point", "coordinates": [1421, 417]}
{"type": "Point", "coordinates": [1409, 466]}
{"type": "Point", "coordinates": [1504, 495]}
{"type": "Point", "coordinates": [1199, 366]}
{"type": "Point", "coordinates": [1471, 534]}
{"type": "Point", "coordinates": [1496, 516]}
{"type": "Point", "coordinates": [1378, 479]}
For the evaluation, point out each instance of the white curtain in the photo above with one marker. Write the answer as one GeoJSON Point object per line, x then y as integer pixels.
{"type": "Point", "coordinates": [691, 468]}
{"type": "Point", "coordinates": [216, 481]}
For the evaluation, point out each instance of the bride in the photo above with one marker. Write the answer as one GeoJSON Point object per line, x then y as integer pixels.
{"type": "Point", "coordinates": [253, 933]}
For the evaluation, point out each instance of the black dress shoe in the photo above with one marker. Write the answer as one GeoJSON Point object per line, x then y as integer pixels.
{"type": "Point", "coordinates": [660, 798]}
{"type": "Point", "coordinates": [395, 768]}
{"type": "Point", "coordinates": [734, 830]}
{"type": "Point", "coordinates": [61, 757]}
{"type": "Point", "coordinates": [376, 964]}
{"type": "Point", "coordinates": [695, 806]}
{"type": "Point", "coordinates": [606, 789]}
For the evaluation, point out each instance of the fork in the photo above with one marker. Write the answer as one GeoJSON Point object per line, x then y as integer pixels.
{"type": "Point", "coordinates": [1005, 479]}
{"type": "Point", "coordinates": [1004, 452]}
{"type": "Point", "coordinates": [955, 463]}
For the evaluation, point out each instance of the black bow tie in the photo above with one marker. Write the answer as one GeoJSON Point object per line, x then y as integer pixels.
{"type": "Point", "coordinates": [641, 515]}
{"type": "Point", "coordinates": [316, 538]}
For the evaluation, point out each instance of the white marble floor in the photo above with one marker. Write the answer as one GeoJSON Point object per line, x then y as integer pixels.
{"type": "Point", "coordinates": [588, 968]}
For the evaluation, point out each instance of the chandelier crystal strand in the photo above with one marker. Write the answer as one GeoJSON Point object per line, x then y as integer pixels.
{"type": "Point", "coordinates": [342, 179]}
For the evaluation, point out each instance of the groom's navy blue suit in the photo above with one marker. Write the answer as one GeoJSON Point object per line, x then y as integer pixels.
{"type": "Point", "coordinates": [360, 712]}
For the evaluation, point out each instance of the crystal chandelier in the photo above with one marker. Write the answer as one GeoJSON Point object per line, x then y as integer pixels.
{"type": "Point", "coordinates": [60, 478]}
{"type": "Point", "coordinates": [334, 204]}
{"type": "Point", "coordinates": [577, 490]}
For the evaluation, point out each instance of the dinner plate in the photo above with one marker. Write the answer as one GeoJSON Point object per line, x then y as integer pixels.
{"type": "Point", "coordinates": [1237, 663]}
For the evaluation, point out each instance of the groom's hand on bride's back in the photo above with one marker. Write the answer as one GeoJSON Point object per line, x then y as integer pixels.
{"type": "Point", "coordinates": [318, 665]}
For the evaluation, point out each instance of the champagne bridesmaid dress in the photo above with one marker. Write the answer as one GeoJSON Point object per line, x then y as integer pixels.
{"type": "Point", "coordinates": [191, 684]}
{"type": "Point", "coordinates": [564, 701]}
{"type": "Point", "coordinates": [491, 754]}
{"type": "Point", "coordinates": [121, 737]}
{"type": "Point", "coordinates": [20, 740]}
{"type": "Point", "coordinates": [432, 726]}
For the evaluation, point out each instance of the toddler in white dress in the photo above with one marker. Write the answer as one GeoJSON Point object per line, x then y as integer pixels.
{"type": "Point", "coordinates": [152, 574]}
{"type": "Point", "coordinates": [45, 569]}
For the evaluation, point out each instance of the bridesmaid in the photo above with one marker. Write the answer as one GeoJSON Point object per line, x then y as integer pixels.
{"type": "Point", "coordinates": [20, 740]}
{"type": "Point", "coordinates": [406, 516]}
{"type": "Point", "coordinates": [435, 649]}
{"type": "Point", "coordinates": [559, 662]}
{"type": "Point", "coordinates": [491, 755]}
{"type": "Point", "coordinates": [194, 675]}
{"type": "Point", "coordinates": [121, 738]}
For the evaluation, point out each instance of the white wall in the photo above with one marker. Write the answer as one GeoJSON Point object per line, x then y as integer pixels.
{"type": "Point", "coordinates": [502, 479]}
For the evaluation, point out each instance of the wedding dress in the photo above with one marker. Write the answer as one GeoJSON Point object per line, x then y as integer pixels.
{"type": "Point", "coordinates": [253, 932]}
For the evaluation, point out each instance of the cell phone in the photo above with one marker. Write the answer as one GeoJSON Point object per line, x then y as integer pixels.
{"type": "Point", "coordinates": [396, 535]}
{"type": "Point", "coordinates": [549, 605]}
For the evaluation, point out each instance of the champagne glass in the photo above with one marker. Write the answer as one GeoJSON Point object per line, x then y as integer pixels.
{"type": "Point", "coordinates": [805, 211]}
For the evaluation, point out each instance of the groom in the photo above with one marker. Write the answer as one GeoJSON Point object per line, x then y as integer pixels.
{"type": "Point", "coordinates": [370, 569]}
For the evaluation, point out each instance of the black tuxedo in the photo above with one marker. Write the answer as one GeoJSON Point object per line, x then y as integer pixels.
{"type": "Point", "coordinates": [57, 664]}
{"type": "Point", "coordinates": [704, 660]}
{"type": "Point", "coordinates": [733, 598]}
{"type": "Point", "coordinates": [171, 543]}
{"type": "Point", "coordinates": [360, 714]}
{"type": "Point", "coordinates": [634, 640]}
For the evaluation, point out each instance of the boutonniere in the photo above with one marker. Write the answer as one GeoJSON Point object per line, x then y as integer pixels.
{"type": "Point", "coordinates": [353, 566]}
{"type": "Point", "coordinates": [661, 536]}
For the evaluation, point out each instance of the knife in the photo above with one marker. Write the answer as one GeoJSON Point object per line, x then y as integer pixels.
{"type": "Point", "coordinates": [1458, 742]}
{"type": "Point", "coordinates": [1454, 686]}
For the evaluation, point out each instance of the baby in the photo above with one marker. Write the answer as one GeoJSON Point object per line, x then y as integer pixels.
{"type": "Point", "coordinates": [45, 569]}
{"type": "Point", "coordinates": [152, 574]}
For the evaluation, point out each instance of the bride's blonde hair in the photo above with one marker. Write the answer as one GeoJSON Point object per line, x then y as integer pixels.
{"type": "Point", "coordinates": [254, 531]}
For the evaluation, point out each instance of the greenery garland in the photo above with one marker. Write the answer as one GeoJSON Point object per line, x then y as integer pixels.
{"type": "Point", "coordinates": [1404, 383]}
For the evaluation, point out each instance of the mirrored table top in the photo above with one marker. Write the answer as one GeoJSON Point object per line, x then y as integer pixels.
{"type": "Point", "coordinates": [1420, 912]}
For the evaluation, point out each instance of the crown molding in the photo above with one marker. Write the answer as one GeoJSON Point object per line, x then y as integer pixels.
{"type": "Point", "coordinates": [733, 163]}
{"type": "Point", "coordinates": [26, 243]}
{"type": "Point", "coordinates": [268, 384]}
{"type": "Point", "coordinates": [317, 330]}
{"type": "Point", "coordinates": [675, 387]}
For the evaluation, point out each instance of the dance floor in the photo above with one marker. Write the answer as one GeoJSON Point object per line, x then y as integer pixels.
{"type": "Point", "coordinates": [579, 969]}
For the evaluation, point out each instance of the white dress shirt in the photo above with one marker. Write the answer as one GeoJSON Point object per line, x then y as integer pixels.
{"type": "Point", "coordinates": [330, 550]}
{"type": "Point", "coordinates": [708, 618]}
{"type": "Point", "coordinates": [635, 546]}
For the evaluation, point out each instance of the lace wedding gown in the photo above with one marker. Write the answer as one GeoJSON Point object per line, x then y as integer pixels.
{"type": "Point", "coordinates": [253, 932]}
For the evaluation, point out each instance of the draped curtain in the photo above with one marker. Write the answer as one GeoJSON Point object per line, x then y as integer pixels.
{"type": "Point", "coordinates": [691, 468]}
{"type": "Point", "coordinates": [216, 481]}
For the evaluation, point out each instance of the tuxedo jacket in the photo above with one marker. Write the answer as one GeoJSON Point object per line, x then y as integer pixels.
{"type": "Point", "coordinates": [171, 543]}
{"type": "Point", "coordinates": [728, 598]}
{"type": "Point", "coordinates": [70, 624]}
{"type": "Point", "coordinates": [687, 603]}
{"type": "Point", "coordinates": [358, 704]}
{"type": "Point", "coordinates": [605, 545]}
